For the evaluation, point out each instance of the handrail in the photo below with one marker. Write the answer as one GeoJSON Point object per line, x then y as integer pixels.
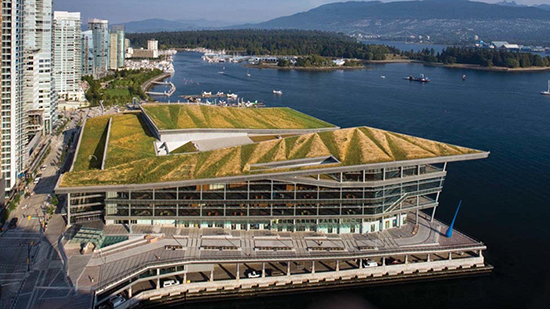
{"type": "Point", "coordinates": [146, 265]}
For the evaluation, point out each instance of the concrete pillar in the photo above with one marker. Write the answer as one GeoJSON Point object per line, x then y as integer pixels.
{"type": "Point", "coordinates": [158, 279]}
{"type": "Point", "coordinates": [450, 256]}
{"type": "Point", "coordinates": [337, 265]}
{"type": "Point", "coordinates": [406, 259]}
{"type": "Point", "coordinates": [433, 214]}
{"type": "Point", "coordinates": [212, 275]}
{"type": "Point", "coordinates": [428, 259]}
{"type": "Point", "coordinates": [130, 292]}
{"type": "Point", "coordinates": [288, 268]}
{"type": "Point", "coordinates": [360, 263]}
{"type": "Point", "coordinates": [480, 253]}
{"type": "Point", "coordinates": [263, 270]}
{"type": "Point", "coordinates": [383, 261]}
{"type": "Point", "coordinates": [312, 267]}
{"type": "Point", "coordinates": [237, 275]}
{"type": "Point", "coordinates": [184, 277]}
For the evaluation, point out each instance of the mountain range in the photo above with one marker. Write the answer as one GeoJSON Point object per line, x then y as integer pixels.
{"type": "Point", "coordinates": [445, 21]}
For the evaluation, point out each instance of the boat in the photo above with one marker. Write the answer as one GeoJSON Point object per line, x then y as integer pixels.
{"type": "Point", "coordinates": [383, 77]}
{"type": "Point", "coordinates": [546, 92]}
{"type": "Point", "coordinates": [422, 78]}
{"type": "Point", "coordinates": [248, 72]}
{"type": "Point", "coordinates": [279, 92]}
{"type": "Point", "coordinates": [463, 78]}
{"type": "Point", "coordinates": [232, 96]}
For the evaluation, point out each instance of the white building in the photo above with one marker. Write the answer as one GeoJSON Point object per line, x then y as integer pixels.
{"type": "Point", "coordinates": [12, 120]}
{"type": "Point", "coordinates": [67, 55]}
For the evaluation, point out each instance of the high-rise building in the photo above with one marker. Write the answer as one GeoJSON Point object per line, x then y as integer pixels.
{"type": "Point", "coordinates": [47, 100]}
{"type": "Point", "coordinates": [100, 31]}
{"type": "Point", "coordinates": [12, 129]}
{"type": "Point", "coordinates": [152, 44]}
{"type": "Point", "coordinates": [117, 50]}
{"type": "Point", "coordinates": [67, 53]}
{"type": "Point", "coordinates": [87, 49]}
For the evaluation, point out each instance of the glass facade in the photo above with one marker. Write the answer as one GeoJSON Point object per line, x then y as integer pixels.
{"type": "Point", "coordinates": [338, 202]}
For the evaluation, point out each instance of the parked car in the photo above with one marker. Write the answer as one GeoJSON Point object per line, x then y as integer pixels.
{"type": "Point", "coordinates": [369, 263]}
{"type": "Point", "coordinates": [117, 300]}
{"type": "Point", "coordinates": [253, 274]}
{"type": "Point", "coordinates": [36, 180]}
{"type": "Point", "coordinates": [170, 282]}
{"type": "Point", "coordinates": [13, 223]}
{"type": "Point", "coordinates": [43, 167]}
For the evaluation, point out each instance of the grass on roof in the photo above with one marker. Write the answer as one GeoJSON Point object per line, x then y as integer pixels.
{"type": "Point", "coordinates": [188, 116]}
{"type": "Point", "coordinates": [354, 146]}
{"type": "Point", "coordinates": [130, 140]}
{"type": "Point", "coordinates": [188, 147]}
{"type": "Point", "coordinates": [92, 145]}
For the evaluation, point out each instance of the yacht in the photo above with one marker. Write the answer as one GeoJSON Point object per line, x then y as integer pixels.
{"type": "Point", "coordinates": [546, 92]}
{"type": "Point", "coordinates": [279, 92]}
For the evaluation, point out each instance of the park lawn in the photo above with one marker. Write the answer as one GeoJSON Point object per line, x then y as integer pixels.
{"type": "Point", "coordinates": [118, 92]}
{"type": "Point", "coordinates": [187, 116]}
{"type": "Point", "coordinates": [92, 145]}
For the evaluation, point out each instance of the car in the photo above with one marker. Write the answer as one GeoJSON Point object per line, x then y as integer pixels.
{"type": "Point", "coordinates": [13, 223]}
{"type": "Point", "coordinates": [253, 274]}
{"type": "Point", "coordinates": [170, 282]}
{"type": "Point", "coordinates": [36, 180]}
{"type": "Point", "coordinates": [369, 263]}
{"type": "Point", "coordinates": [43, 167]}
{"type": "Point", "coordinates": [117, 300]}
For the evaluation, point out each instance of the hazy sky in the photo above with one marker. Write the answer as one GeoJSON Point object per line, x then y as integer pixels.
{"type": "Point", "coordinates": [237, 11]}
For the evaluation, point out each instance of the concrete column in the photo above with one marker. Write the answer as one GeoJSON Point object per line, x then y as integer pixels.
{"type": "Point", "coordinates": [212, 275]}
{"type": "Point", "coordinates": [450, 256]}
{"type": "Point", "coordinates": [158, 279]}
{"type": "Point", "coordinates": [428, 259]}
{"type": "Point", "coordinates": [337, 265]}
{"type": "Point", "coordinates": [433, 214]}
{"type": "Point", "coordinates": [130, 292]}
{"type": "Point", "coordinates": [185, 278]}
{"type": "Point", "coordinates": [480, 253]}
{"type": "Point", "coordinates": [383, 261]}
{"type": "Point", "coordinates": [360, 263]}
{"type": "Point", "coordinates": [288, 268]}
{"type": "Point", "coordinates": [312, 267]}
{"type": "Point", "coordinates": [237, 275]}
{"type": "Point", "coordinates": [263, 270]}
{"type": "Point", "coordinates": [406, 259]}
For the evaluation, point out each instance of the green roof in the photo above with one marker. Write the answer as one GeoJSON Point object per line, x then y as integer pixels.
{"type": "Point", "coordinates": [189, 116]}
{"type": "Point", "coordinates": [131, 158]}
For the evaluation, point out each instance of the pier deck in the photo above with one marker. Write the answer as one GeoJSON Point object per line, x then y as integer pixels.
{"type": "Point", "coordinates": [220, 260]}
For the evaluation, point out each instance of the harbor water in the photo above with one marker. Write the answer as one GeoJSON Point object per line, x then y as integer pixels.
{"type": "Point", "coordinates": [506, 198]}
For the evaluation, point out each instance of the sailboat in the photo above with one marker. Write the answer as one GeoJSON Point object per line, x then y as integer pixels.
{"type": "Point", "coordinates": [546, 92]}
{"type": "Point", "coordinates": [248, 72]}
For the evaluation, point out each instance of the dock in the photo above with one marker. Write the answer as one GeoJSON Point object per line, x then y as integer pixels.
{"type": "Point", "coordinates": [221, 263]}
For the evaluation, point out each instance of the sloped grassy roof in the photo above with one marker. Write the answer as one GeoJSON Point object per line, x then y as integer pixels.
{"type": "Point", "coordinates": [188, 116]}
{"type": "Point", "coordinates": [130, 159]}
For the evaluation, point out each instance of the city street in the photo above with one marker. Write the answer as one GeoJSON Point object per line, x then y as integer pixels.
{"type": "Point", "coordinates": [31, 271]}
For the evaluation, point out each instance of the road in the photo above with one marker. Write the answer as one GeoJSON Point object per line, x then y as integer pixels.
{"type": "Point", "coordinates": [31, 271]}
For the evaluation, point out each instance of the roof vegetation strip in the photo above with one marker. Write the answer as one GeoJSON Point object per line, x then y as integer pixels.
{"type": "Point", "coordinates": [90, 152]}
{"type": "Point", "coordinates": [131, 158]}
{"type": "Point", "coordinates": [192, 116]}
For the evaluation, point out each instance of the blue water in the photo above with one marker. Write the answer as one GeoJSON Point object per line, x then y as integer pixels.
{"type": "Point", "coordinates": [505, 198]}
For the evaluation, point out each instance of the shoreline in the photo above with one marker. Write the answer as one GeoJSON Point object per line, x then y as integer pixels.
{"type": "Point", "coordinates": [320, 69]}
{"type": "Point", "coordinates": [491, 69]}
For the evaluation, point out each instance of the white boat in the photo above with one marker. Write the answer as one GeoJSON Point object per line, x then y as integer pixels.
{"type": "Point", "coordinates": [279, 92]}
{"type": "Point", "coordinates": [232, 96]}
{"type": "Point", "coordinates": [383, 77]}
{"type": "Point", "coordinates": [248, 72]}
{"type": "Point", "coordinates": [546, 92]}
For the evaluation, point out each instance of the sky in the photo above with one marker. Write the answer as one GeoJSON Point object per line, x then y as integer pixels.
{"type": "Point", "coordinates": [235, 12]}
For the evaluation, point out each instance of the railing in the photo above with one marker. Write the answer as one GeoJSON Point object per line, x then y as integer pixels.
{"type": "Point", "coordinates": [146, 265]}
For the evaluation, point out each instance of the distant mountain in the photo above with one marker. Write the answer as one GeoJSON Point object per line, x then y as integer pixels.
{"type": "Point", "coordinates": [162, 25]}
{"type": "Point", "coordinates": [445, 21]}
{"type": "Point", "coordinates": [545, 7]}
